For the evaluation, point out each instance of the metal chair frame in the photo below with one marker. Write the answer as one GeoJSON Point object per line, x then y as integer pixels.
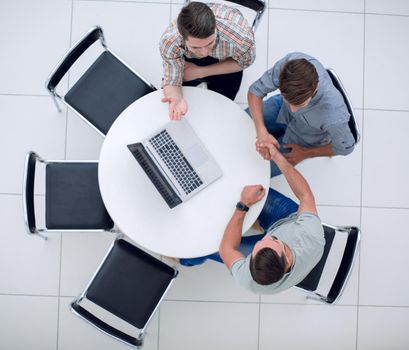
{"type": "Point", "coordinates": [352, 120]}
{"type": "Point", "coordinates": [39, 231]}
{"type": "Point", "coordinates": [349, 262]}
{"type": "Point", "coordinates": [142, 332]}
{"type": "Point", "coordinates": [52, 89]}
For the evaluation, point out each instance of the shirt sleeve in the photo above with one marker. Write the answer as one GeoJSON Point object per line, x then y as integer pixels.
{"type": "Point", "coordinates": [240, 271]}
{"type": "Point", "coordinates": [246, 54]}
{"type": "Point", "coordinates": [342, 140]}
{"type": "Point", "coordinates": [269, 81]}
{"type": "Point", "coordinates": [173, 60]}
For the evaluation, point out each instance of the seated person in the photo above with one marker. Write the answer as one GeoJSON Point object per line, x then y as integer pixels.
{"type": "Point", "coordinates": [293, 243]}
{"type": "Point", "coordinates": [211, 43]}
{"type": "Point", "coordinates": [309, 118]}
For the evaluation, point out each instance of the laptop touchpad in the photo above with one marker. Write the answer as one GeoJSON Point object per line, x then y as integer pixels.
{"type": "Point", "coordinates": [196, 155]}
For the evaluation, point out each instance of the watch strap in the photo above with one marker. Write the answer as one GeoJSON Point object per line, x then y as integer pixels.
{"type": "Point", "coordinates": [242, 207]}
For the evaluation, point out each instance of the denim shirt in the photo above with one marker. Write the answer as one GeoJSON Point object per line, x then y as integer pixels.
{"type": "Point", "coordinates": [325, 119]}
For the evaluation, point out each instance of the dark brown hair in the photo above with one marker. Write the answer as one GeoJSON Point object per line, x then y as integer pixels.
{"type": "Point", "coordinates": [298, 81]}
{"type": "Point", "coordinates": [267, 267]}
{"type": "Point", "coordinates": [196, 20]}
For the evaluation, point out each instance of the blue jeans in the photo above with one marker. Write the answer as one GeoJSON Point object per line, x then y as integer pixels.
{"type": "Point", "coordinates": [271, 108]}
{"type": "Point", "coordinates": [277, 207]}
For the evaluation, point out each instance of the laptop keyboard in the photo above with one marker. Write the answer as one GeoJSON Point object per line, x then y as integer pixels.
{"type": "Point", "coordinates": [176, 161]}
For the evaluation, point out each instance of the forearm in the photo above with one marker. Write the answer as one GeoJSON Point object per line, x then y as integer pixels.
{"type": "Point", "coordinates": [256, 111]}
{"type": "Point", "coordinates": [232, 236]}
{"type": "Point", "coordinates": [296, 181]}
{"type": "Point", "coordinates": [173, 91]}
{"type": "Point", "coordinates": [224, 67]}
{"type": "Point", "coordinates": [323, 151]}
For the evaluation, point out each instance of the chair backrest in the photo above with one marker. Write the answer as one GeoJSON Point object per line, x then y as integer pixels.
{"type": "Point", "coordinates": [129, 284]}
{"type": "Point", "coordinates": [94, 34]}
{"type": "Point", "coordinates": [104, 90]}
{"type": "Point", "coordinates": [257, 5]}
{"type": "Point", "coordinates": [28, 192]}
{"type": "Point", "coordinates": [352, 119]}
{"type": "Point", "coordinates": [343, 267]}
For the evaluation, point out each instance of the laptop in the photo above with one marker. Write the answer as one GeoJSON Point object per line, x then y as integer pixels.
{"type": "Point", "coordinates": [176, 161]}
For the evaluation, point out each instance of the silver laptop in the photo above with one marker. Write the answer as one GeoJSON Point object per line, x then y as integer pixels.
{"type": "Point", "coordinates": [176, 161]}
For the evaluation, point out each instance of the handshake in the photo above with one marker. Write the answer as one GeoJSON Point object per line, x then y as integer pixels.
{"type": "Point", "coordinates": [268, 150]}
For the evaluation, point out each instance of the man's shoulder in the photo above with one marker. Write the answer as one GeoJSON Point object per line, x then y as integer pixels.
{"type": "Point", "coordinates": [171, 40]}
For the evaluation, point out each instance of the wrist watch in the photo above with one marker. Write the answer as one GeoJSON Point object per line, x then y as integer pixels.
{"type": "Point", "coordinates": [242, 207]}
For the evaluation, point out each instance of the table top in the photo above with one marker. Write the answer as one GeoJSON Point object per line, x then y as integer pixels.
{"type": "Point", "coordinates": [195, 227]}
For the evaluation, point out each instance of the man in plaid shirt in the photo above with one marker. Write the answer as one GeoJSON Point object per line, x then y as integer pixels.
{"type": "Point", "coordinates": [211, 43]}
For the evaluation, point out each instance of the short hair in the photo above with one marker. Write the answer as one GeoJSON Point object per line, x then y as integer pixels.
{"type": "Point", "coordinates": [267, 267]}
{"type": "Point", "coordinates": [196, 20]}
{"type": "Point", "coordinates": [298, 81]}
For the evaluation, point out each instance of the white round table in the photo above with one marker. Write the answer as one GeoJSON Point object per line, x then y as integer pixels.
{"type": "Point", "coordinates": [195, 227]}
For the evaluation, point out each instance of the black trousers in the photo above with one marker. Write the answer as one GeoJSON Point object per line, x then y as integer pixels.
{"type": "Point", "coordinates": [226, 84]}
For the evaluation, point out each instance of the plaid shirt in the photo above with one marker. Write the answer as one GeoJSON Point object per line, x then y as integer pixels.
{"type": "Point", "coordinates": [234, 39]}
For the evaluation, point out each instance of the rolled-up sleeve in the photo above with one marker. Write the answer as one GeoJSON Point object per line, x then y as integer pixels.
{"type": "Point", "coordinates": [342, 140]}
{"type": "Point", "coordinates": [172, 59]}
{"type": "Point", "coordinates": [245, 54]}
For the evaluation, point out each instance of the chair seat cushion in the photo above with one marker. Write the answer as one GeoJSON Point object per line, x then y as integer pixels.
{"type": "Point", "coordinates": [105, 90]}
{"type": "Point", "coordinates": [73, 199]}
{"type": "Point", "coordinates": [130, 283]}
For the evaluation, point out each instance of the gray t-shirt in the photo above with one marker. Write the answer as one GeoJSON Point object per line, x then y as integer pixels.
{"type": "Point", "coordinates": [323, 121]}
{"type": "Point", "coordinates": [304, 235]}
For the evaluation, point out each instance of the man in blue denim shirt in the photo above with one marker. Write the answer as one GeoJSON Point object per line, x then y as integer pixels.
{"type": "Point", "coordinates": [294, 240]}
{"type": "Point", "coordinates": [310, 112]}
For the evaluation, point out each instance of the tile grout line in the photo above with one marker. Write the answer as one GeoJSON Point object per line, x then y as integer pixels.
{"type": "Point", "coordinates": [65, 157]}
{"type": "Point", "coordinates": [259, 322]}
{"type": "Point", "coordinates": [362, 174]}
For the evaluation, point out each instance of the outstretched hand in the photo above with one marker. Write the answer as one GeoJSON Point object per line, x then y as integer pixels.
{"type": "Point", "coordinates": [177, 107]}
{"type": "Point", "coordinates": [252, 194]}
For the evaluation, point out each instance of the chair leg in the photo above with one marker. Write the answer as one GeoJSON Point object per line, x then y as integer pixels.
{"type": "Point", "coordinates": [42, 236]}
{"type": "Point", "coordinates": [56, 103]}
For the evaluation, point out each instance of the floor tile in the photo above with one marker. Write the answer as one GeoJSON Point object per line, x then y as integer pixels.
{"type": "Point", "coordinates": [202, 326]}
{"type": "Point", "coordinates": [75, 333]}
{"type": "Point", "coordinates": [341, 216]}
{"type": "Point", "coordinates": [32, 123]}
{"type": "Point", "coordinates": [394, 7]}
{"type": "Point", "coordinates": [28, 265]}
{"type": "Point", "coordinates": [81, 255]}
{"type": "Point", "coordinates": [127, 40]}
{"type": "Point", "coordinates": [210, 281]}
{"type": "Point", "coordinates": [320, 5]}
{"type": "Point", "coordinates": [386, 53]}
{"type": "Point", "coordinates": [330, 177]}
{"type": "Point", "coordinates": [83, 141]}
{"type": "Point", "coordinates": [33, 40]}
{"type": "Point", "coordinates": [260, 65]}
{"type": "Point", "coordinates": [307, 327]}
{"type": "Point", "coordinates": [385, 170]}
{"type": "Point", "coordinates": [339, 46]}
{"type": "Point", "coordinates": [28, 322]}
{"type": "Point", "coordinates": [383, 328]}
{"type": "Point", "coordinates": [384, 283]}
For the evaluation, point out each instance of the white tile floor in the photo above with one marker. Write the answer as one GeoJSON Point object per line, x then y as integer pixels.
{"type": "Point", "coordinates": [366, 41]}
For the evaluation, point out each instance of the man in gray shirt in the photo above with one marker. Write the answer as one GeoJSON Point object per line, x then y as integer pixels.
{"type": "Point", "coordinates": [290, 249]}
{"type": "Point", "coordinates": [309, 118]}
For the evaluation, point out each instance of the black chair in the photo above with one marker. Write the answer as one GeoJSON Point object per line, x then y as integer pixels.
{"type": "Point", "coordinates": [72, 198]}
{"type": "Point", "coordinates": [104, 90]}
{"type": "Point", "coordinates": [352, 120]}
{"type": "Point", "coordinates": [341, 256]}
{"type": "Point", "coordinates": [129, 284]}
{"type": "Point", "coordinates": [257, 5]}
